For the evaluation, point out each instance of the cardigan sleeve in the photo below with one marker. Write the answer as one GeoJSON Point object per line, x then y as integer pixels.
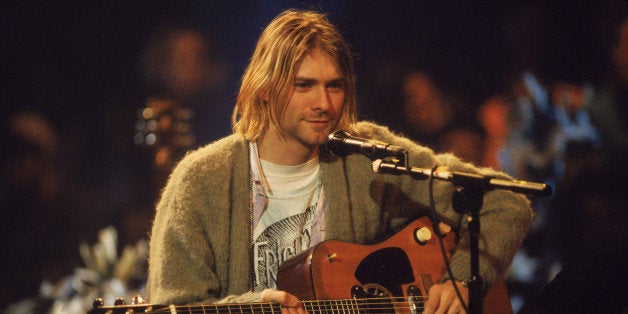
{"type": "Point", "coordinates": [181, 261]}
{"type": "Point", "coordinates": [198, 244]}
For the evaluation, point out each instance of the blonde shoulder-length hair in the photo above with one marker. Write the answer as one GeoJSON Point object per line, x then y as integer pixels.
{"type": "Point", "coordinates": [272, 70]}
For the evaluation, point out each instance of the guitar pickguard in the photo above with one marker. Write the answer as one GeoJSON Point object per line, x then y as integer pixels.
{"type": "Point", "coordinates": [387, 267]}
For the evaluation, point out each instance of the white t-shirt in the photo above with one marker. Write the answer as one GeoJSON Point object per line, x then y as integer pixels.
{"type": "Point", "coordinates": [288, 209]}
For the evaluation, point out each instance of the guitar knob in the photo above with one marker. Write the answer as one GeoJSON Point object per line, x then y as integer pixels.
{"type": "Point", "coordinates": [119, 301]}
{"type": "Point", "coordinates": [98, 303]}
{"type": "Point", "coordinates": [444, 228]}
{"type": "Point", "coordinates": [422, 235]}
{"type": "Point", "coordinates": [138, 299]}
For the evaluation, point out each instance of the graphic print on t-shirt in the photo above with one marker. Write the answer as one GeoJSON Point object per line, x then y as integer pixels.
{"type": "Point", "coordinates": [278, 243]}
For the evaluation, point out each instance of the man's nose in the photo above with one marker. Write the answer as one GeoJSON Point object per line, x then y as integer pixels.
{"type": "Point", "coordinates": [323, 99]}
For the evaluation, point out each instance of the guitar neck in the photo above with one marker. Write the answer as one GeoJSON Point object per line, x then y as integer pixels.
{"type": "Point", "coordinates": [255, 307]}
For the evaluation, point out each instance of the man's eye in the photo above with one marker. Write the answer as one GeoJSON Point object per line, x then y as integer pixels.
{"type": "Point", "coordinates": [335, 87]}
{"type": "Point", "coordinates": [302, 86]}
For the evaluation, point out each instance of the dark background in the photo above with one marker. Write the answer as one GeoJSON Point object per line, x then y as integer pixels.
{"type": "Point", "coordinates": [77, 63]}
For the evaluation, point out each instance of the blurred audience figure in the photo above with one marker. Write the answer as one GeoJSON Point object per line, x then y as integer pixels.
{"type": "Point", "coordinates": [541, 133]}
{"type": "Point", "coordinates": [179, 63]}
{"type": "Point", "coordinates": [185, 106]}
{"type": "Point", "coordinates": [436, 118]}
{"type": "Point", "coordinates": [609, 107]}
{"type": "Point", "coordinates": [493, 116]}
{"type": "Point", "coordinates": [44, 213]}
{"type": "Point", "coordinates": [427, 113]}
{"type": "Point", "coordinates": [529, 153]}
{"type": "Point", "coordinates": [464, 142]}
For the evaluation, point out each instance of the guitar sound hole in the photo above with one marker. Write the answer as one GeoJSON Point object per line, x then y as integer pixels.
{"type": "Point", "coordinates": [373, 299]}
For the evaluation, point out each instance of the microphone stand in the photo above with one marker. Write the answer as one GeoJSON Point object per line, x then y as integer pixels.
{"type": "Point", "coordinates": [467, 198]}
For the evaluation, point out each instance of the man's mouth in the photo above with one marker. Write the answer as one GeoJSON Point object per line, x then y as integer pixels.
{"type": "Point", "coordinates": [319, 123]}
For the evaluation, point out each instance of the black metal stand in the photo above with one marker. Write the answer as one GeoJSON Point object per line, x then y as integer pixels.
{"type": "Point", "coordinates": [469, 200]}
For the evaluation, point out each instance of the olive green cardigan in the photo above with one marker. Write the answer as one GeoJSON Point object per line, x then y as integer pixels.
{"type": "Point", "coordinates": [200, 240]}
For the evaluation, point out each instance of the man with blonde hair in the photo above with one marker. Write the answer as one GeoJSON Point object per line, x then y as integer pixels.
{"type": "Point", "coordinates": [234, 210]}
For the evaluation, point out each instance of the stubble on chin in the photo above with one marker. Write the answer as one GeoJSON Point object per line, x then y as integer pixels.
{"type": "Point", "coordinates": [313, 139]}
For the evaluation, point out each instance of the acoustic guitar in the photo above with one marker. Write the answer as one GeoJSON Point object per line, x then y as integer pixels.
{"type": "Point", "coordinates": [340, 277]}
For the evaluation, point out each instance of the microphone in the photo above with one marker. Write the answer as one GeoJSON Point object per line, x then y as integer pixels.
{"type": "Point", "coordinates": [341, 143]}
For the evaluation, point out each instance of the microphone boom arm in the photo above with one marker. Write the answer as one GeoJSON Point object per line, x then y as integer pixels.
{"type": "Point", "coordinates": [465, 179]}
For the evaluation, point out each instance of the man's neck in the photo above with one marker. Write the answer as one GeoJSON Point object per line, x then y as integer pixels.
{"type": "Point", "coordinates": [288, 153]}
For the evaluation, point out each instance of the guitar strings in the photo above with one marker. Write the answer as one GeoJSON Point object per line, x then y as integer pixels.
{"type": "Point", "coordinates": [313, 306]}
{"type": "Point", "coordinates": [277, 309]}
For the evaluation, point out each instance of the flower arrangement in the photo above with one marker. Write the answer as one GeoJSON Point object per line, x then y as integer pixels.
{"type": "Point", "coordinates": [105, 276]}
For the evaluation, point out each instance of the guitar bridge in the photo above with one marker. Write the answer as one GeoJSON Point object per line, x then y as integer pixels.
{"type": "Point", "coordinates": [416, 301]}
{"type": "Point", "coordinates": [373, 299]}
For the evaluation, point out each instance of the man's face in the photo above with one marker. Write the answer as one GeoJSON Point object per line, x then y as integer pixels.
{"type": "Point", "coordinates": [316, 101]}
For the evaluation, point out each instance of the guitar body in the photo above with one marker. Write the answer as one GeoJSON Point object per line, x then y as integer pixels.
{"type": "Point", "coordinates": [331, 269]}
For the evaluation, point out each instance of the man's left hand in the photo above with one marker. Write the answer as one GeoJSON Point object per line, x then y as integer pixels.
{"type": "Point", "coordinates": [289, 303]}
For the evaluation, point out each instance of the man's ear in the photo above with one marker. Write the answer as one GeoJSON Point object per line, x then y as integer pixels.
{"type": "Point", "coordinates": [264, 95]}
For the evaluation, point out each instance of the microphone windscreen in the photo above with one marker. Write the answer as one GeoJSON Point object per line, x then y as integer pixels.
{"type": "Point", "coordinates": [335, 143]}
